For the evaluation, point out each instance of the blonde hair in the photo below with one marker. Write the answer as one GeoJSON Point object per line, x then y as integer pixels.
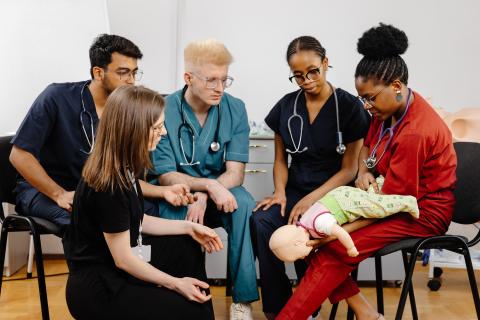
{"type": "Point", "coordinates": [201, 52]}
{"type": "Point", "coordinates": [121, 144]}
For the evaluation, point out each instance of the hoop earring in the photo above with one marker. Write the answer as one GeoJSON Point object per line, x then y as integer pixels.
{"type": "Point", "coordinates": [399, 96]}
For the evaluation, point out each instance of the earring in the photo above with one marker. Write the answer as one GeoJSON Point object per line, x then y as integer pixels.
{"type": "Point", "coordinates": [399, 96]}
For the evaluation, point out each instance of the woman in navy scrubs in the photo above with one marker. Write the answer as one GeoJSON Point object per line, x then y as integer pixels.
{"type": "Point", "coordinates": [307, 125]}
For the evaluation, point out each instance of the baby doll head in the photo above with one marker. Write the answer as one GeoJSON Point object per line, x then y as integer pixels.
{"type": "Point", "coordinates": [289, 243]}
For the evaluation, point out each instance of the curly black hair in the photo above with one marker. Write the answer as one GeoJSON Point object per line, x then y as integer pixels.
{"type": "Point", "coordinates": [305, 43]}
{"type": "Point", "coordinates": [105, 44]}
{"type": "Point", "coordinates": [381, 48]}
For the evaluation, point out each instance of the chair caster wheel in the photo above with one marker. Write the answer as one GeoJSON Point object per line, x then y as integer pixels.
{"type": "Point", "coordinates": [437, 272]}
{"type": "Point", "coordinates": [434, 284]}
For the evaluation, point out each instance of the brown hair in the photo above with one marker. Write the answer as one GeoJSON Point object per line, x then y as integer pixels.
{"type": "Point", "coordinates": [121, 143]}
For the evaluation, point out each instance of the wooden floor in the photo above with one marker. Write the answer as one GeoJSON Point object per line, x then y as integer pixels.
{"type": "Point", "coordinates": [19, 299]}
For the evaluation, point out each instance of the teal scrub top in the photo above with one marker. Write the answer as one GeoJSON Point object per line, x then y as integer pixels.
{"type": "Point", "coordinates": [233, 138]}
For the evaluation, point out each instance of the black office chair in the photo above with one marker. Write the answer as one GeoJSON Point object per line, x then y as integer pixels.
{"type": "Point", "coordinates": [15, 223]}
{"type": "Point", "coordinates": [466, 211]}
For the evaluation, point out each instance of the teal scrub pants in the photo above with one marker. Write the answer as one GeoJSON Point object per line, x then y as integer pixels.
{"type": "Point", "coordinates": [240, 253]}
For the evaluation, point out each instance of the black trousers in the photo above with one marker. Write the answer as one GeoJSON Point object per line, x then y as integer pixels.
{"type": "Point", "coordinates": [104, 292]}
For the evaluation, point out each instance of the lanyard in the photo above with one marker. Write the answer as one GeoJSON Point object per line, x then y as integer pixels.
{"type": "Point", "coordinates": [133, 181]}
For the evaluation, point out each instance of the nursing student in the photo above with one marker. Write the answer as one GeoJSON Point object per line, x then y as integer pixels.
{"type": "Point", "coordinates": [109, 275]}
{"type": "Point", "coordinates": [206, 148]}
{"type": "Point", "coordinates": [408, 144]}
{"type": "Point", "coordinates": [322, 128]}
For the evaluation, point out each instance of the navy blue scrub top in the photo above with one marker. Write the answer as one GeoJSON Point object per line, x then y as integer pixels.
{"type": "Point", "coordinates": [53, 133]}
{"type": "Point", "coordinates": [312, 168]}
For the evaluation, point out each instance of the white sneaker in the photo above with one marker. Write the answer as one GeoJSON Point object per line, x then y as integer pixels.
{"type": "Point", "coordinates": [241, 311]}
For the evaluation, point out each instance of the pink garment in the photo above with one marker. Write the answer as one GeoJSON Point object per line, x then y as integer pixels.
{"type": "Point", "coordinates": [310, 216]}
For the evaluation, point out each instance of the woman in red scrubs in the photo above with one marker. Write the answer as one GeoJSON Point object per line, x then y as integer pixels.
{"type": "Point", "coordinates": [407, 143]}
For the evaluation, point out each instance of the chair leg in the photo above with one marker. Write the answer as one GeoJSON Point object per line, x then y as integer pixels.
{"type": "Point", "coordinates": [411, 293]}
{"type": "Point", "coordinates": [471, 278]}
{"type": "Point", "coordinates": [228, 280]}
{"type": "Point", "coordinates": [350, 313]}
{"type": "Point", "coordinates": [3, 248]}
{"type": "Point", "coordinates": [42, 288]}
{"type": "Point", "coordinates": [31, 252]}
{"type": "Point", "coordinates": [333, 312]}
{"type": "Point", "coordinates": [407, 283]}
{"type": "Point", "coordinates": [379, 283]}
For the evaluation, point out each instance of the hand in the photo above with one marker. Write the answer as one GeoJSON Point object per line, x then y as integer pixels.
{"type": "Point", "coordinates": [317, 243]}
{"type": "Point", "coordinates": [207, 237]}
{"type": "Point", "coordinates": [352, 252]}
{"type": "Point", "coordinates": [196, 210]}
{"type": "Point", "coordinates": [364, 180]}
{"type": "Point", "coordinates": [300, 208]}
{"type": "Point", "coordinates": [191, 289]}
{"type": "Point", "coordinates": [65, 200]}
{"type": "Point", "coordinates": [223, 198]}
{"type": "Point", "coordinates": [178, 195]}
{"type": "Point", "coordinates": [276, 198]}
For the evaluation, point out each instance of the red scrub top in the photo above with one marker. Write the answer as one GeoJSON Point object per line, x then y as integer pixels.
{"type": "Point", "coordinates": [420, 161]}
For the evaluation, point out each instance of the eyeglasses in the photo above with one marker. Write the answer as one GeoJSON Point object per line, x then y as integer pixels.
{"type": "Point", "coordinates": [211, 83]}
{"type": "Point", "coordinates": [313, 75]}
{"type": "Point", "coordinates": [127, 73]}
{"type": "Point", "coordinates": [368, 103]}
{"type": "Point", "coordinates": [158, 129]}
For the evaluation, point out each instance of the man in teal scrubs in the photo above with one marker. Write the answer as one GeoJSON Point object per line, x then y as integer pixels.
{"type": "Point", "coordinates": [207, 148]}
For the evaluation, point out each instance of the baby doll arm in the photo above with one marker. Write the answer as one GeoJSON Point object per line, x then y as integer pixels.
{"type": "Point", "coordinates": [345, 239]}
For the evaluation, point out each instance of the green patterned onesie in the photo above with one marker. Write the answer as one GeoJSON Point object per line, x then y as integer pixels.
{"type": "Point", "coordinates": [347, 204]}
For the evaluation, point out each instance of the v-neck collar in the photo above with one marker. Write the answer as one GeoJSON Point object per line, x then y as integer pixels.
{"type": "Point", "coordinates": [307, 116]}
{"type": "Point", "coordinates": [201, 132]}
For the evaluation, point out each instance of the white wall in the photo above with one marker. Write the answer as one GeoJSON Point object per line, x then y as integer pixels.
{"type": "Point", "coordinates": [152, 26]}
{"type": "Point", "coordinates": [47, 41]}
{"type": "Point", "coordinates": [43, 41]}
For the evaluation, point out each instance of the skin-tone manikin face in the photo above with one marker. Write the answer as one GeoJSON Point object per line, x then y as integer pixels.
{"type": "Point", "coordinates": [289, 243]}
{"type": "Point", "coordinates": [156, 132]}
{"type": "Point", "coordinates": [306, 61]}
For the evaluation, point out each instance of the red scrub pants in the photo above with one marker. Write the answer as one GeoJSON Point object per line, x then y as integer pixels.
{"type": "Point", "coordinates": [329, 267]}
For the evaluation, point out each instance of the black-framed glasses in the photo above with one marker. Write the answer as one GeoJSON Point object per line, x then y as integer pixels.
{"type": "Point", "coordinates": [211, 83]}
{"type": "Point", "coordinates": [369, 102]}
{"type": "Point", "coordinates": [313, 75]}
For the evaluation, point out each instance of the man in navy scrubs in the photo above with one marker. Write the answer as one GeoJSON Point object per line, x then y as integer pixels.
{"type": "Point", "coordinates": [58, 133]}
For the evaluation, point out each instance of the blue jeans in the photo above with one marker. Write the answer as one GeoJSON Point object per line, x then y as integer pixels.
{"type": "Point", "coordinates": [31, 202]}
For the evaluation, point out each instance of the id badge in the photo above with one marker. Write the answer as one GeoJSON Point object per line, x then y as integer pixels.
{"type": "Point", "coordinates": [143, 252]}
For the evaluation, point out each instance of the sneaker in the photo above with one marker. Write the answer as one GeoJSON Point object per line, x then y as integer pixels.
{"type": "Point", "coordinates": [241, 311]}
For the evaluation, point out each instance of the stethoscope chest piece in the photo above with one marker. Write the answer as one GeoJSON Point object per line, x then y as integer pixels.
{"type": "Point", "coordinates": [341, 148]}
{"type": "Point", "coordinates": [370, 162]}
{"type": "Point", "coordinates": [214, 146]}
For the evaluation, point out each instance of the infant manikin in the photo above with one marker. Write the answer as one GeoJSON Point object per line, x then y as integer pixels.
{"type": "Point", "coordinates": [289, 243]}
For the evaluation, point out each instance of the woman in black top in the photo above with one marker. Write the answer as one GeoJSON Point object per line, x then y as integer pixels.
{"type": "Point", "coordinates": [307, 125]}
{"type": "Point", "coordinates": [109, 278]}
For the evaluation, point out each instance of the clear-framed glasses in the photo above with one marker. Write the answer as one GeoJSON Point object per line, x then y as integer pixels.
{"type": "Point", "coordinates": [313, 75]}
{"type": "Point", "coordinates": [369, 102]}
{"type": "Point", "coordinates": [125, 73]}
{"type": "Point", "coordinates": [211, 83]}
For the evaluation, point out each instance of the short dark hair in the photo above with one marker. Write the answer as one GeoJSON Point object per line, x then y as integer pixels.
{"type": "Point", "coordinates": [105, 44]}
{"type": "Point", "coordinates": [381, 48]}
{"type": "Point", "coordinates": [305, 43]}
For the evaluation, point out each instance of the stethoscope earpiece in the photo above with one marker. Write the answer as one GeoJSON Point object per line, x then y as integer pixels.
{"type": "Point", "coordinates": [341, 148]}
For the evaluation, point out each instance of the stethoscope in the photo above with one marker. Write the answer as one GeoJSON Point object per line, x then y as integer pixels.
{"type": "Point", "coordinates": [372, 160]}
{"type": "Point", "coordinates": [214, 146]}
{"type": "Point", "coordinates": [91, 139]}
{"type": "Point", "coordinates": [340, 146]}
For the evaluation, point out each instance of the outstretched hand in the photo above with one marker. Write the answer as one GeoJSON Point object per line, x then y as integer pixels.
{"type": "Point", "coordinates": [207, 238]}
